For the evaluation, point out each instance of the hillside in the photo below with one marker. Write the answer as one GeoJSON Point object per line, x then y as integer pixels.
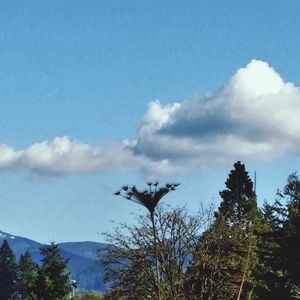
{"type": "Point", "coordinates": [84, 265]}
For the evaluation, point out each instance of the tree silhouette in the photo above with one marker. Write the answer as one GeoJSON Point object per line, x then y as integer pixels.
{"type": "Point", "coordinates": [8, 273]}
{"type": "Point", "coordinates": [291, 233]}
{"type": "Point", "coordinates": [238, 199]}
{"type": "Point", "coordinates": [226, 255]}
{"type": "Point", "coordinates": [53, 280]}
{"type": "Point", "coordinates": [28, 272]}
{"type": "Point", "coordinates": [149, 198]}
{"type": "Point", "coordinates": [131, 262]}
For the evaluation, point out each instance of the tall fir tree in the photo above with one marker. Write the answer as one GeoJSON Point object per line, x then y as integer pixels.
{"type": "Point", "coordinates": [218, 266]}
{"type": "Point", "coordinates": [8, 273]}
{"type": "Point", "coordinates": [53, 282]}
{"type": "Point", "coordinates": [238, 199]}
{"type": "Point", "coordinates": [278, 243]}
{"type": "Point", "coordinates": [291, 235]}
{"type": "Point", "coordinates": [28, 272]}
{"type": "Point", "coordinates": [269, 273]}
{"type": "Point", "coordinates": [226, 255]}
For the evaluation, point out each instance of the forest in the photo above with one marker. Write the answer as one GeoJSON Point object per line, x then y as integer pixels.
{"type": "Point", "coordinates": [235, 251]}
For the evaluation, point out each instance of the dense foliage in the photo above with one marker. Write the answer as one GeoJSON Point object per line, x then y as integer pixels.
{"type": "Point", "coordinates": [239, 252]}
{"type": "Point", "coordinates": [28, 272]}
{"type": "Point", "coordinates": [8, 273]}
{"type": "Point", "coordinates": [88, 296]}
{"type": "Point", "coordinates": [28, 281]}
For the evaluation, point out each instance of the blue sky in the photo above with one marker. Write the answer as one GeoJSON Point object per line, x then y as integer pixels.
{"type": "Point", "coordinates": [97, 94]}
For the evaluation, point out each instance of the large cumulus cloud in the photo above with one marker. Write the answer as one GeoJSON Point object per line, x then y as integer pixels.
{"type": "Point", "coordinates": [254, 116]}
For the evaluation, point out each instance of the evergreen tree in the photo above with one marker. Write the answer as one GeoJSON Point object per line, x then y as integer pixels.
{"type": "Point", "coordinates": [278, 244]}
{"type": "Point", "coordinates": [8, 273]}
{"type": "Point", "coordinates": [223, 264]}
{"type": "Point", "coordinates": [28, 271]}
{"type": "Point", "coordinates": [238, 199]}
{"type": "Point", "coordinates": [291, 234]}
{"type": "Point", "coordinates": [269, 270]}
{"type": "Point", "coordinates": [226, 255]}
{"type": "Point", "coordinates": [53, 282]}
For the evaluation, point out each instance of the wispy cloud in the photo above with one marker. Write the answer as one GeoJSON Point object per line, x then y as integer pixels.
{"type": "Point", "coordinates": [254, 116]}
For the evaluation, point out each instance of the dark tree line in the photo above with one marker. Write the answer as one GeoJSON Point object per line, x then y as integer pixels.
{"type": "Point", "coordinates": [240, 251]}
{"type": "Point", "coordinates": [26, 280]}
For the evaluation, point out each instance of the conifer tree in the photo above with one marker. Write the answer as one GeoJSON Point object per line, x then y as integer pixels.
{"type": "Point", "coordinates": [8, 273]}
{"type": "Point", "coordinates": [53, 282]}
{"type": "Point", "coordinates": [291, 233]}
{"type": "Point", "coordinates": [270, 277]}
{"type": "Point", "coordinates": [28, 271]}
{"type": "Point", "coordinates": [278, 244]}
{"type": "Point", "coordinates": [238, 209]}
{"type": "Point", "coordinates": [226, 255]}
{"type": "Point", "coordinates": [238, 199]}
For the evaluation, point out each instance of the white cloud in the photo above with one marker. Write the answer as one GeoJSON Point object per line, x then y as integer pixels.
{"type": "Point", "coordinates": [157, 116]}
{"type": "Point", "coordinates": [9, 158]}
{"type": "Point", "coordinates": [255, 116]}
{"type": "Point", "coordinates": [65, 156]}
{"type": "Point", "coordinates": [252, 117]}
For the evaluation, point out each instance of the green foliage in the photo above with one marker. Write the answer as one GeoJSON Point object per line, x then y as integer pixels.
{"type": "Point", "coordinates": [291, 228]}
{"type": "Point", "coordinates": [226, 255]}
{"type": "Point", "coordinates": [238, 199]}
{"type": "Point", "coordinates": [8, 273]}
{"type": "Point", "coordinates": [223, 259]}
{"type": "Point", "coordinates": [269, 275]}
{"type": "Point", "coordinates": [28, 272]}
{"type": "Point", "coordinates": [53, 281]}
{"type": "Point", "coordinates": [88, 296]}
{"type": "Point", "coordinates": [28, 281]}
{"type": "Point", "coordinates": [278, 240]}
{"type": "Point", "coordinates": [291, 236]}
{"type": "Point", "coordinates": [246, 253]}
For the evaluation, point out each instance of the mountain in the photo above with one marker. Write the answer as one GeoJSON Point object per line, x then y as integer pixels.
{"type": "Point", "coordinates": [84, 258]}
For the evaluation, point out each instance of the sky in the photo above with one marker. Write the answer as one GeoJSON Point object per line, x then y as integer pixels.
{"type": "Point", "coordinates": [98, 94]}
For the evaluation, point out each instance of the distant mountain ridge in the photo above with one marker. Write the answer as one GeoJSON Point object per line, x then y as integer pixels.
{"type": "Point", "coordinates": [84, 258]}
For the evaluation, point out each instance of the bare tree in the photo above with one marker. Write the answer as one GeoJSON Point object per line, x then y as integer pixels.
{"type": "Point", "coordinates": [149, 198]}
{"type": "Point", "coordinates": [132, 262]}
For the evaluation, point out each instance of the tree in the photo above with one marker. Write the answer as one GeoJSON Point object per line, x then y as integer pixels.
{"type": "Point", "coordinates": [53, 282]}
{"type": "Point", "coordinates": [291, 235]}
{"type": "Point", "coordinates": [239, 208]}
{"type": "Point", "coordinates": [131, 263]}
{"type": "Point", "coordinates": [269, 270]}
{"type": "Point", "coordinates": [218, 267]}
{"type": "Point", "coordinates": [238, 199]}
{"type": "Point", "coordinates": [149, 199]}
{"type": "Point", "coordinates": [8, 273]}
{"type": "Point", "coordinates": [28, 272]}
{"type": "Point", "coordinates": [226, 254]}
